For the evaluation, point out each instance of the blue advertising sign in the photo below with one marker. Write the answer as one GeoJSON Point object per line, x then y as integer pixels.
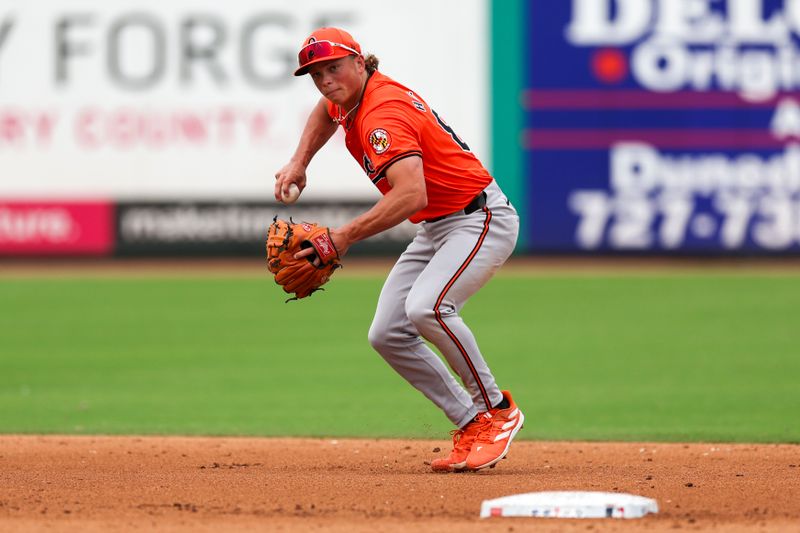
{"type": "Point", "coordinates": [663, 125]}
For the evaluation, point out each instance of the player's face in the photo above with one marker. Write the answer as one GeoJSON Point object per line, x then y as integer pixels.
{"type": "Point", "coordinates": [339, 80]}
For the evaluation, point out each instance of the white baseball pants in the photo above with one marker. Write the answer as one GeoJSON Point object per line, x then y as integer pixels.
{"type": "Point", "coordinates": [445, 264]}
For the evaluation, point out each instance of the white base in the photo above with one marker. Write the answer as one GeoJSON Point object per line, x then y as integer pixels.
{"type": "Point", "coordinates": [570, 505]}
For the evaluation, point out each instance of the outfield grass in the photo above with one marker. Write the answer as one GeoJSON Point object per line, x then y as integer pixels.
{"type": "Point", "coordinates": [651, 357]}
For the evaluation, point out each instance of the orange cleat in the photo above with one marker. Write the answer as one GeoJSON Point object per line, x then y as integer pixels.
{"type": "Point", "coordinates": [498, 429]}
{"type": "Point", "coordinates": [462, 443]}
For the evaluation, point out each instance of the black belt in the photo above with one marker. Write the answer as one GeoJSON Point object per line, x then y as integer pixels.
{"type": "Point", "coordinates": [477, 203]}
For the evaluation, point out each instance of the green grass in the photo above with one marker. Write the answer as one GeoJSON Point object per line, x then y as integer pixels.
{"type": "Point", "coordinates": [654, 357]}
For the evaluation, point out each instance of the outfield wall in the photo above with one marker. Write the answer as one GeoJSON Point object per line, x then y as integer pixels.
{"type": "Point", "coordinates": [660, 126]}
{"type": "Point", "coordinates": [153, 127]}
{"type": "Point", "coordinates": [615, 126]}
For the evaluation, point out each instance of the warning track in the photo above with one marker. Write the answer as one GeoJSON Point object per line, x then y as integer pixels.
{"type": "Point", "coordinates": [379, 266]}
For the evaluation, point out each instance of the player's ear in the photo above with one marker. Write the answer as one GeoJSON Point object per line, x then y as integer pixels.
{"type": "Point", "coordinates": [361, 65]}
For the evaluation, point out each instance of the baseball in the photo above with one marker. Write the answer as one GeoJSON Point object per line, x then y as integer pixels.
{"type": "Point", "coordinates": [292, 195]}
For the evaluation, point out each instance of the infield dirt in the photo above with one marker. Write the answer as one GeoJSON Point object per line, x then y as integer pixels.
{"type": "Point", "coordinates": [55, 483]}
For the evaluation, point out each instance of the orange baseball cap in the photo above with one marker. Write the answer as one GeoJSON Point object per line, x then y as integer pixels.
{"type": "Point", "coordinates": [325, 44]}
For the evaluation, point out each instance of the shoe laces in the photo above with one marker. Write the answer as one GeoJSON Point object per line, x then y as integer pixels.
{"type": "Point", "coordinates": [490, 427]}
{"type": "Point", "coordinates": [475, 427]}
{"type": "Point", "coordinates": [457, 435]}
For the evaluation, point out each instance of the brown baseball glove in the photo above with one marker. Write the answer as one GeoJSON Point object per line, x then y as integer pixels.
{"type": "Point", "coordinates": [306, 275]}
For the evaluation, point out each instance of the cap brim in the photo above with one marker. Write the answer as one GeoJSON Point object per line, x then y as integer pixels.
{"type": "Point", "coordinates": [304, 69]}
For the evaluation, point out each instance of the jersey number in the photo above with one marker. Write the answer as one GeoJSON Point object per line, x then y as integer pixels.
{"type": "Point", "coordinates": [449, 130]}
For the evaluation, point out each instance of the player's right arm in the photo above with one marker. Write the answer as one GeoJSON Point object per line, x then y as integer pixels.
{"type": "Point", "coordinates": [318, 130]}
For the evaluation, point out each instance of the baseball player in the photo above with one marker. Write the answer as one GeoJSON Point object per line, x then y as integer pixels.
{"type": "Point", "coordinates": [467, 229]}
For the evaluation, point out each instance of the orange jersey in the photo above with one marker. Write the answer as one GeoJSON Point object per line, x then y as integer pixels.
{"type": "Point", "coordinates": [391, 123]}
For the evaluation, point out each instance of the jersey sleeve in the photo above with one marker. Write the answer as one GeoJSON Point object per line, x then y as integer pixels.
{"type": "Point", "coordinates": [390, 133]}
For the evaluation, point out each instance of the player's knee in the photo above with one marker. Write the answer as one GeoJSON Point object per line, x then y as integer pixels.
{"type": "Point", "coordinates": [377, 336]}
{"type": "Point", "coordinates": [421, 313]}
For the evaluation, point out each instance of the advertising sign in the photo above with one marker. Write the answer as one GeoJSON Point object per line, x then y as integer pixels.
{"type": "Point", "coordinates": [56, 228]}
{"type": "Point", "coordinates": [663, 125]}
{"type": "Point", "coordinates": [232, 228]}
{"type": "Point", "coordinates": [195, 99]}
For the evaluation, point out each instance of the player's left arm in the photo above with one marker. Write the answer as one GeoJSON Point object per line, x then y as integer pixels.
{"type": "Point", "coordinates": [407, 196]}
{"type": "Point", "coordinates": [399, 162]}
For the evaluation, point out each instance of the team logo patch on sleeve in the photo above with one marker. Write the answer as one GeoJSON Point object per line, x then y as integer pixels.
{"type": "Point", "coordinates": [380, 140]}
